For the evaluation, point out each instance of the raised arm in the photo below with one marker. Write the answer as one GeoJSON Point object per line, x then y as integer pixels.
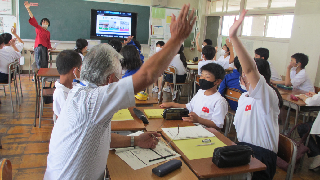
{"type": "Point", "coordinates": [229, 45]}
{"type": "Point", "coordinates": [12, 43]}
{"type": "Point", "coordinates": [247, 63]}
{"type": "Point", "coordinates": [197, 43]}
{"type": "Point", "coordinates": [27, 5]}
{"type": "Point", "coordinates": [180, 29]}
{"type": "Point", "coordinates": [14, 32]}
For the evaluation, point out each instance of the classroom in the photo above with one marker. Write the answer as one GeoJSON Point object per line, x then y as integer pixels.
{"type": "Point", "coordinates": [240, 79]}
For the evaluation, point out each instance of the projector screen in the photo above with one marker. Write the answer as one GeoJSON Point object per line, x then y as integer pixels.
{"type": "Point", "coordinates": [107, 24]}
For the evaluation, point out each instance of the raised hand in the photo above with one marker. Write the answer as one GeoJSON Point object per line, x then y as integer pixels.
{"type": "Point", "coordinates": [234, 28]}
{"type": "Point", "coordinates": [26, 4]}
{"type": "Point", "coordinates": [13, 30]}
{"type": "Point", "coordinates": [181, 27]}
{"type": "Point", "coordinates": [12, 42]}
{"type": "Point", "coordinates": [228, 43]}
{"type": "Point", "coordinates": [125, 42]}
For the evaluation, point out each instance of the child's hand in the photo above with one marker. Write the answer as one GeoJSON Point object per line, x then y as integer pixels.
{"type": "Point", "coordinates": [125, 42]}
{"type": "Point", "coordinates": [13, 30]}
{"type": "Point", "coordinates": [12, 42]}
{"type": "Point", "coordinates": [310, 94]}
{"type": "Point", "coordinates": [228, 43]}
{"type": "Point", "coordinates": [290, 66]}
{"type": "Point", "coordinates": [234, 28]}
{"type": "Point", "coordinates": [193, 117]}
{"type": "Point", "coordinates": [166, 105]}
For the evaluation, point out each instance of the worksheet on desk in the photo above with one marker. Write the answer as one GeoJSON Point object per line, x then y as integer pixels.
{"type": "Point", "coordinates": [187, 132]}
{"type": "Point", "coordinates": [138, 158]}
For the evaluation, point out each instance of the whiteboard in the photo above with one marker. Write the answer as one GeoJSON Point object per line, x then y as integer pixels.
{"type": "Point", "coordinates": [5, 6]}
{"type": "Point", "coordinates": [6, 23]}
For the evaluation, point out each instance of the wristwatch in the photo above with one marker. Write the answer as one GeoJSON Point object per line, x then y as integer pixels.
{"type": "Point", "coordinates": [132, 141]}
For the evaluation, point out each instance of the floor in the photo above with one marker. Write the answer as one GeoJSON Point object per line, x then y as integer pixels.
{"type": "Point", "coordinates": [27, 146]}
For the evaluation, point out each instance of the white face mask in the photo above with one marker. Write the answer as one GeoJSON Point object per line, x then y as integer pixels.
{"type": "Point", "coordinates": [294, 68]}
{"type": "Point", "coordinates": [242, 86]}
{"type": "Point", "coordinates": [158, 49]}
{"type": "Point", "coordinates": [45, 26]}
{"type": "Point", "coordinates": [223, 51]}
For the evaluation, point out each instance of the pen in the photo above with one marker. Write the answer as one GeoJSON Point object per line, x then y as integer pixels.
{"type": "Point", "coordinates": [154, 137]}
{"type": "Point", "coordinates": [163, 157]}
{"type": "Point", "coordinates": [178, 128]}
{"type": "Point", "coordinates": [207, 144]}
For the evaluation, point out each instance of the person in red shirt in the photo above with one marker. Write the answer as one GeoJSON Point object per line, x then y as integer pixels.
{"type": "Point", "coordinates": [42, 42]}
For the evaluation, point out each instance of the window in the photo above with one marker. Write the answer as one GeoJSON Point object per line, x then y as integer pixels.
{"type": "Point", "coordinates": [280, 26]}
{"type": "Point", "coordinates": [216, 6]}
{"type": "Point", "coordinates": [234, 5]}
{"type": "Point", "coordinates": [226, 24]}
{"type": "Point", "coordinates": [257, 4]}
{"type": "Point", "coordinates": [254, 26]}
{"type": "Point", "coordinates": [283, 3]}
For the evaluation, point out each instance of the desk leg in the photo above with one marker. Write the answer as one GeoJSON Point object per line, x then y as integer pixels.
{"type": "Point", "coordinates": [41, 101]}
{"type": "Point", "coordinates": [160, 91]}
{"type": "Point", "coordinates": [285, 126]}
{"type": "Point", "coordinates": [30, 65]}
{"type": "Point", "coordinates": [37, 100]}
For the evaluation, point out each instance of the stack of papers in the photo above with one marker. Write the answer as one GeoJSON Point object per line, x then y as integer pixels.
{"type": "Point", "coordinates": [154, 113]}
{"type": "Point", "coordinates": [122, 115]}
{"type": "Point", "coordinates": [192, 132]}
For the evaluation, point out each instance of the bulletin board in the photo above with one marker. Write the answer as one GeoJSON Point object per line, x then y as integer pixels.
{"type": "Point", "coordinates": [6, 23]}
{"type": "Point", "coordinates": [5, 6]}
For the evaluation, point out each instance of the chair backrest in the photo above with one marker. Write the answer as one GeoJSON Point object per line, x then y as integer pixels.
{"type": "Point", "coordinates": [170, 70]}
{"type": "Point", "coordinates": [233, 94]}
{"type": "Point", "coordinates": [197, 78]}
{"type": "Point", "coordinates": [5, 169]}
{"type": "Point", "coordinates": [287, 150]}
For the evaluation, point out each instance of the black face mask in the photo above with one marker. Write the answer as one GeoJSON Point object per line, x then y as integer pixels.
{"type": "Point", "coordinates": [204, 84]}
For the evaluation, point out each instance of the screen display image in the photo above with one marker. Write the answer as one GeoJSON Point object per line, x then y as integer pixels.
{"type": "Point", "coordinates": [112, 24]}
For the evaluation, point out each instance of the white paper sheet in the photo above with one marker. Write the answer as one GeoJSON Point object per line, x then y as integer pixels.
{"type": "Point", "coordinates": [187, 132]}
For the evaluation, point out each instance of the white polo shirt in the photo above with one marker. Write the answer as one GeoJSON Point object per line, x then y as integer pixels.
{"type": "Point", "coordinates": [7, 56]}
{"type": "Point", "coordinates": [224, 62]}
{"type": "Point", "coordinates": [59, 97]}
{"type": "Point", "coordinates": [202, 63]}
{"type": "Point", "coordinates": [177, 63]}
{"type": "Point", "coordinates": [213, 107]}
{"type": "Point", "coordinates": [80, 139]}
{"type": "Point", "coordinates": [314, 100]}
{"type": "Point", "coordinates": [81, 55]}
{"type": "Point", "coordinates": [19, 46]}
{"type": "Point", "coordinates": [301, 80]}
{"type": "Point", "coordinates": [256, 119]}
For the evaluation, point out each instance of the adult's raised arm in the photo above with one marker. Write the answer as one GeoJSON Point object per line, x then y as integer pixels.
{"type": "Point", "coordinates": [27, 5]}
{"type": "Point", "coordinates": [180, 29]}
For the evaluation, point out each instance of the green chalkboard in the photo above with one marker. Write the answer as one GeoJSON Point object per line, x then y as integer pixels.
{"type": "Point", "coordinates": [70, 19]}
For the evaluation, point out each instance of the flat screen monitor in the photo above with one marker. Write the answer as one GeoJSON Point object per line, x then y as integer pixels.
{"type": "Point", "coordinates": [109, 25]}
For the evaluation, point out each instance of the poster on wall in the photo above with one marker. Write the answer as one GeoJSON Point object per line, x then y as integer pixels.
{"type": "Point", "coordinates": [5, 7]}
{"type": "Point", "coordinates": [6, 23]}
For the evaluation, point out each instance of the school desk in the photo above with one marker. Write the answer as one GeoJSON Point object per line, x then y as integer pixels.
{"type": "Point", "coordinates": [153, 99]}
{"type": "Point", "coordinates": [119, 170]}
{"type": "Point", "coordinates": [129, 125]}
{"type": "Point", "coordinates": [51, 53]}
{"type": "Point", "coordinates": [204, 167]}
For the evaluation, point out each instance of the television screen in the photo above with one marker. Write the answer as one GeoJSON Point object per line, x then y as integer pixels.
{"type": "Point", "coordinates": [108, 25]}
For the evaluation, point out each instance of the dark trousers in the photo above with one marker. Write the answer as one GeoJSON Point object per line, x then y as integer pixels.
{"type": "Point", "coordinates": [4, 78]}
{"type": "Point", "coordinates": [314, 144]}
{"type": "Point", "coordinates": [41, 56]}
{"type": "Point", "coordinates": [267, 157]}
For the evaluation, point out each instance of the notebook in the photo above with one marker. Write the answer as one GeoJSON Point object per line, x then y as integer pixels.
{"type": "Point", "coordinates": [122, 115]}
{"type": "Point", "coordinates": [154, 113]}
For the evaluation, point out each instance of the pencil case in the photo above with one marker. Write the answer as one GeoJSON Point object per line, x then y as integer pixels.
{"type": "Point", "coordinates": [231, 156]}
{"type": "Point", "coordinates": [167, 167]}
{"type": "Point", "coordinates": [175, 113]}
{"type": "Point", "coordinates": [284, 87]}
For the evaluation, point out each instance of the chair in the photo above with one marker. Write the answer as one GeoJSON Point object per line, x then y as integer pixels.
{"type": "Point", "coordinates": [195, 83]}
{"type": "Point", "coordinates": [6, 169]}
{"type": "Point", "coordinates": [12, 70]}
{"type": "Point", "coordinates": [176, 86]}
{"type": "Point", "coordinates": [287, 150]}
{"type": "Point", "coordinates": [18, 71]}
{"type": "Point", "coordinates": [234, 95]}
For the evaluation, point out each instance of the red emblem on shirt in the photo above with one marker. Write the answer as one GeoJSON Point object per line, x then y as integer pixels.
{"type": "Point", "coordinates": [248, 107]}
{"type": "Point", "coordinates": [205, 109]}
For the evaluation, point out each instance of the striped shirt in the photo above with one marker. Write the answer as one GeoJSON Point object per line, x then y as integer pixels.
{"type": "Point", "coordinates": [80, 139]}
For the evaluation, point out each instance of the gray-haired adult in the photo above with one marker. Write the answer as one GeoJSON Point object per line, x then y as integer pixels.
{"type": "Point", "coordinates": [81, 137]}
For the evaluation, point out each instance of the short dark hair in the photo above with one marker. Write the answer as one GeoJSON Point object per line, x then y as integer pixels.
{"type": "Point", "coordinates": [215, 69]}
{"type": "Point", "coordinates": [208, 41]}
{"type": "Point", "coordinates": [66, 60]}
{"type": "Point", "coordinates": [45, 19]}
{"type": "Point", "coordinates": [131, 57]}
{"type": "Point", "coordinates": [137, 44]}
{"type": "Point", "coordinates": [6, 37]}
{"type": "Point", "coordinates": [116, 44]}
{"type": "Point", "coordinates": [263, 53]}
{"type": "Point", "coordinates": [301, 58]}
{"type": "Point", "coordinates": [80, 44]}
{"type": "Point", "coordinates": [161, 43]}
{"type": "Point", "coordinates": [1, 40]}
{"type": "Point", "coordinates": [237, 63]}
{"type": "Point", "coordinates": [208, 52]}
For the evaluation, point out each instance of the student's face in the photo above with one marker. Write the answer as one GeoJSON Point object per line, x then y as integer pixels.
{"type": "Point", "coordinates": [257, 56]}
{"type": "Point", "coordinates": [45, 23]}
{"type": "Point", "coordinates": [294, 62]}
{"type": "Point", "coordinates": [158, 45]}
{"type": "Point", "coordinates": [225, 48]}
{"type": "Point", "coordinates": [207, 76]}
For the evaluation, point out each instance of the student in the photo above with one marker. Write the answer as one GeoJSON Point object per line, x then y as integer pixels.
{"type": "Point", "coordinates": [232, 81]}
{"type": "Point", "coordinates": [7, 56]}
{"type": "Point", "coordinates": [131, 41]}
{"type": "Point", "coordinates": [131, 60]}
{"type": "Point", "coordinates": [207, 107]}
{"type": "Point", "coordinates": [81, 47]}
{"type": "Point", "coordinates": [263, 53]}
{"type": "Point", "coordinates": [68, 65]}
{"type": "Point", "coordinates": [7, 38]}
{"type": "Point", "coordinates": [159, 46]}
{"type": "Point", "coordinates": [312, 99]}
{"type": "Point", "coordinates": [116, 44]}
{"type": "Point", "coordinates": [81, 138]}
{"type": "Point", "coordinates": [204, 43]}
{"type": "Point", "coordinates": [296, 75]}
{"type": "Point", "coordinates": [208, 53]}
{"type": "Point", "coordinates": [180, 63]}
{"type": "Point", "coordinates": [256, 119]}
{"type": "Point", "coordinates": [227, 56]}
{"type": "Point", "coordinates": [42, 41]}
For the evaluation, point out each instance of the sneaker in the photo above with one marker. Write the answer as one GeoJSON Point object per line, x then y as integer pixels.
{"type": "Point", "coordinates": [315, 163]}
{"type": "Point", "coordinates": [167, 89]}
{"type": "Point", "coordinates": [155, 89]}
{"type": "Point", "coordinates": [174, 96]}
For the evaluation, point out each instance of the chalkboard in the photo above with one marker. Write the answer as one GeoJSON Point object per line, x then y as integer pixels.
{"type": "Point", "coordinates": [70, 19]}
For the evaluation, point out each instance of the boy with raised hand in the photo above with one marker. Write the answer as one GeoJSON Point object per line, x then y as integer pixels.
{"type": "Point", "coordinates": [8, 37]}
{"type": "Point", "coordinates": [207, 107]}
{"type": "Point", "coordinates": [68, 65]}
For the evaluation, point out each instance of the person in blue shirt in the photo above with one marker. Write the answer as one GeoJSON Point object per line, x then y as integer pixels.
{"type": "Point", "coordinates": [131, 60]}
{"type": "Point", "coordinates": [232, 81]}
{"type": "Point", "coordinates": [131, 41]}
